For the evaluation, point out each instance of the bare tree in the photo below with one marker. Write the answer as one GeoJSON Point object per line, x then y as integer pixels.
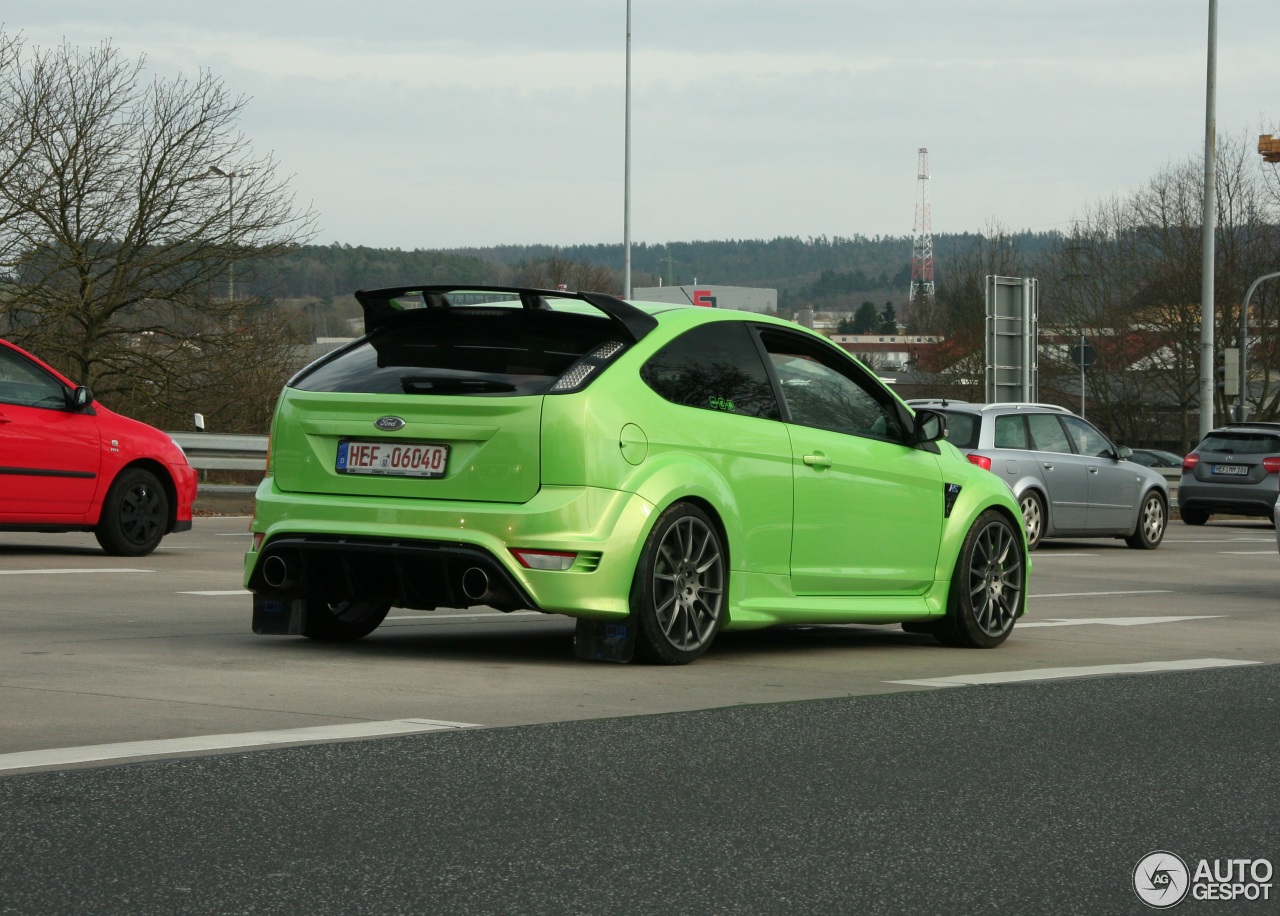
{"type": "Point", "coordinates": [126, 208]}
{"type": "Point", "coordinates": [575, 275]}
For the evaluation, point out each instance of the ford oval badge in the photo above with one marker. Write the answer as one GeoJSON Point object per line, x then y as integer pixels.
{"type": "Point", "coordinates": [389, 424]}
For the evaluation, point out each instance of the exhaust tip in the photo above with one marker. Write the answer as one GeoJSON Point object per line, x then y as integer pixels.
{"type": "Point", "coordinates": [276, 572]}
{"type": "Point", "coordinates": [475, 584]}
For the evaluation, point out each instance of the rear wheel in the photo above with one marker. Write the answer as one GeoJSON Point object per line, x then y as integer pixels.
{"type": "Point", "coordinates": [677, 601]}
{"type": "Point", "coordinates": [988, 586]}
{"type": "Point", "coordinates": [1195, 516]}
{"type": "Point", "coordinates": [1151, 524]}
{"type": "Point", "coordinates": [342, 621]}
{"type": "Point", "coordinates": [1032, 518]}
{"type": "Point", "coordinates": [135, 515]}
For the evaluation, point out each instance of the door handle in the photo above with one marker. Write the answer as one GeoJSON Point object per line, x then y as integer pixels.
{"type": "Point", "coordinates": [817, 461]}
{"type": "Point", "coordinates": [1093, 470]}
{"type": "Point", "coordinates": [4, 419]}
{"type": "Point", "coordinates": [1048, 465]}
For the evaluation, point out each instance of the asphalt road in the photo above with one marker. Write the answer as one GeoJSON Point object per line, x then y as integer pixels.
{"type": "Point", "coordinates": [804, 770]}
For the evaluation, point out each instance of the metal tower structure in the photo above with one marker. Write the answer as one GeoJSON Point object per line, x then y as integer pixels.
{"type": "Point", "coordinates": [922, 236]}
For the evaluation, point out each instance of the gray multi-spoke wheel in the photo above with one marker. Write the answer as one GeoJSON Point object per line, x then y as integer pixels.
{"type": "Point", "coordinates": [989, 585]}
{"type": "Point", "coordinates": [1032, 518]}
{"type": "Point", "coordinates": [677, 601]}
{"type": "Point", "coordinates": [1152, 519]}
{"type": "Point", "coordinates": [135, 515]}
{"type": "Point", "coordinates": [342, 621]}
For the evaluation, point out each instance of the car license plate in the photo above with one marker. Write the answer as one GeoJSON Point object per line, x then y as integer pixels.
{"type": "Point", "coordinates": [1233, 470]}
{"type": "Point", "coordinates": [392, 459]}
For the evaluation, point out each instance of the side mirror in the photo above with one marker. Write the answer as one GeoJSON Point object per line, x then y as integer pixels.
{"type": "Point", "coordinates": [1123, 453]}
{"type": "Point", "coordinates": [80, 398]}
{"type": "Point", "coordinates": [930, 426]}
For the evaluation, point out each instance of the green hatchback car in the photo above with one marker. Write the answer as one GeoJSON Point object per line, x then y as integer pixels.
{"type": "Point", "coordinates": [658, 472]}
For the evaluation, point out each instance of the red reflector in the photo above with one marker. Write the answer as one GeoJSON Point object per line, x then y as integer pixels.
{"type": "Point", "coordinates": [544, 559]}
{"type": "Point", "coordinates": [1190, 461]}
{"type": "Point", "coordinates": [1272, 464]}
{"type": "Point", "coordinates": [981, 461]}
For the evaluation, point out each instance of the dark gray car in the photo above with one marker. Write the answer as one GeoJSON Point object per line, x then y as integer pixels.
{"type": "Point", "coordinates": [1233, 471]}
{"type": "Point", "coordinates": [1069, 479]}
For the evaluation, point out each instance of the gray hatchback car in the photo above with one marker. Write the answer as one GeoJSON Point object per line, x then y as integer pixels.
{"type": "Point", "coordinates": [1069, 479]}
{"type": "Point", "coordinates": [1233, 471]}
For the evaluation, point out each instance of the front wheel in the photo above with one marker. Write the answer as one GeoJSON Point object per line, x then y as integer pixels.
{"type": "Point", "coordinates": [988, 586]}
{"type": "Point", "coordinates": [1151, 524]}
{"type": "Point", "coordinates": [342, 621]}
{"type": "Point", "coordinates": [135, 515]}
{"type": "Point", "coordinates": [677, 600]}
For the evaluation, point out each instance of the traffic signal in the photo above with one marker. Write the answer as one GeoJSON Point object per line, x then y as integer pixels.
{"type": "Point", "coordinates": [1226, 372]}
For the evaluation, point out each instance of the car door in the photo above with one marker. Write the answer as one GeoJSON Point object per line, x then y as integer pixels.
{"type": "Point", "coordinates": [49, 454]}
{"type": "Point", "coordinates": [1113, 484]}
{"type": "Point", "coordinates": [1066, 478]}
{"type": "Point", "coordinates": [868, 509]}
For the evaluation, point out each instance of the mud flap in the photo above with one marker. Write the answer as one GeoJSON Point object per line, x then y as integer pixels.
{"type": "Point", "coordinates": [278, 616]}
{"type": "Point", "coordinates": [604, 640]}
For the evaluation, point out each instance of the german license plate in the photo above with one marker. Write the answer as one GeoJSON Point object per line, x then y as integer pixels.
{"type": "Point", "coordinates": [392, 459]}
{"type": "Point", "coordinates": [1233, 470]}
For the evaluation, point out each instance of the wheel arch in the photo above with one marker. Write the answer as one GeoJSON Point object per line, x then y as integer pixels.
{"type": "Point", "coordinates": [161, 473]}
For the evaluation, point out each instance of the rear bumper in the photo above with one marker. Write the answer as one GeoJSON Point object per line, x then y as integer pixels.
{"type": "Point", "coordinates": [1227, 498]}
{"type": "Point", "coordinates": [414, 553]}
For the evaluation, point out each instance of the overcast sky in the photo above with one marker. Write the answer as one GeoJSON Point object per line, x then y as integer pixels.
{"type": "Point", "coordinates": [448, 123]}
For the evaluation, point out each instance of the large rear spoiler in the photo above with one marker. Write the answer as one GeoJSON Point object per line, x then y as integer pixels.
{"type": "Point", "coordinates": [381, 305]}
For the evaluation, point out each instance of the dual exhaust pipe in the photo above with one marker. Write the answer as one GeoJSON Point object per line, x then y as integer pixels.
{"type": "Point", "coordinates": [280, 571]}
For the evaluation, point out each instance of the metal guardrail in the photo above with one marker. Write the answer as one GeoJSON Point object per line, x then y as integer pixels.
{"type": "Point", "coordinates": [219, 452]}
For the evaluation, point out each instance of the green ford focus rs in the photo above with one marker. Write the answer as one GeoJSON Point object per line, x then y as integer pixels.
{"type": "Point", "coordinates": [658, 472]}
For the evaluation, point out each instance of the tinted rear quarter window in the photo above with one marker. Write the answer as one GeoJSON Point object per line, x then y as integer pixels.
{"type": "Point", "coordinates": [714, 367]}
{"type": "Point", "coordinates": [962, 429]}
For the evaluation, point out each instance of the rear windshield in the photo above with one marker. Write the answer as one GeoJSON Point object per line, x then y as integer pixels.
{"type": "Point", "coordinates": [963, 429]}
{"type": "Point", "coordinates": [1241, 443]}
{"type": "Point", "coordinates": [463, 351]}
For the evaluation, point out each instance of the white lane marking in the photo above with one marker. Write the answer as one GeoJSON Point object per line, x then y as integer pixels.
{"type": "Point", "coordinates": [59, 572]}
{"type": "Point", "coordinates": [1217, 540]}
{"type": "Point", "coordinates": [1063, 555]}
{"type": "Point", "coordinates": [1049, 674]}
{"type": "Point", "coordinates": [1247, 553]}
{"type": "Point", "coordinates": [471, 616]}
{"type": "Point", "coordinates": [1112, 621]}
{"type": "Point", "coordinates": [1150, 591]}
{"type": "Point", "coordinates": [215, 594]}
{"type": "Point", "coordinates": [169, 747]}
{"type": "Point", "coordinates": [233, 534]}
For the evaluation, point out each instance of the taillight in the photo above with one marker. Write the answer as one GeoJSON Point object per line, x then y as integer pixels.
{"type": "Point", "coordinates": [1271, 465]}
{"type": "Point", "coordinates": [981, 461]}
{"type": "Point", "coordinates": [1189, 462]}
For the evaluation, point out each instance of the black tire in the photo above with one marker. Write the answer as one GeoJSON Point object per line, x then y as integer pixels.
{"type": "Point", "coordinates": [342, 621]}
{"type": "Point", "coordinates": [1033, 517]}
{"type": "Point", "coordinates": [1153, 519]}
{"type": "Point", "coordinates": [135, 515]}
{"type": "Point", "coordinates": [678, 596]}
{"type": "Point", "coordinates": [1194, 516]}
{"type": "Point", "coordinates": [988, 587]}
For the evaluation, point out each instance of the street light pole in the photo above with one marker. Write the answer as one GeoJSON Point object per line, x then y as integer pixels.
{"type": "Point", "coordinates": [626, 176]}
{"type": "Point", "coordinates": [1209, 228]}
{"type": "Point", "coordinates": [231, 225]}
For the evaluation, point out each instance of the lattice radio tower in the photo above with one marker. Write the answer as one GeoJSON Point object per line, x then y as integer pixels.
{"type": "Point", "coordinates": [922, 237]}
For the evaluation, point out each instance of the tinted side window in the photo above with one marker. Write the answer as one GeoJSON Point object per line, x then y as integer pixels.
{"type": "Point", "coordinates": [1011, 431]}
{"type": "Point", "coordinates": [821, 388]}
{"type": "Point", "coordinates": [1087, 439]}
{"type": "Point", "coordinates": [714, 366]}
{"type": "Point", "coordinates": [28, 385]}
{"type": "Point", "coordinates": [1048, 433]}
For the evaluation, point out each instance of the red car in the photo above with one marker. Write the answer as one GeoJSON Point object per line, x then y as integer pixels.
{"type": "Point", "coordinates": [70, 464]}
